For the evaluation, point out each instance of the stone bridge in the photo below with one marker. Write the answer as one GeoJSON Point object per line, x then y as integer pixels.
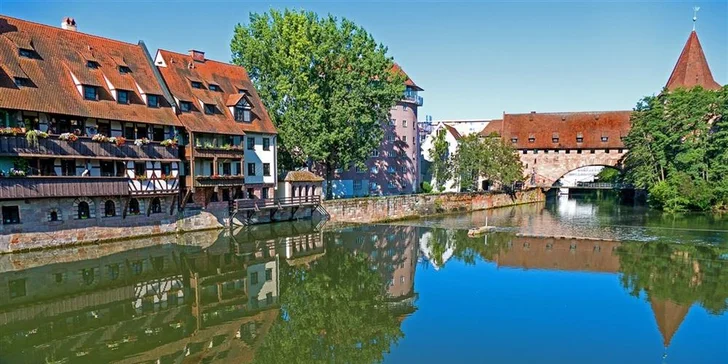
{"type": "Point", "coordinates": [551, 145]}
{"type": "Point", "coordinates": [546, 167]}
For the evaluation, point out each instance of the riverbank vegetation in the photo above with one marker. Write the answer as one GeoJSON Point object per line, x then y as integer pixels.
{"type": "Point", "coordinates": [327, 84]}
{"type": "Point", "coordinates": [678, 149]}
{"type": "Point", "coordinates": [476, 158]}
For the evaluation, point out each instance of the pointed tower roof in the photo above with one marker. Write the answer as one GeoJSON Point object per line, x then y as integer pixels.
{"type": "Point", "coordinates": [669, 315]}
{"type": "Point", "coordinates": [692, 69]}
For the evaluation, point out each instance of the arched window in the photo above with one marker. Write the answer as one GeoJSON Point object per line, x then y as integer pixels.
{"type": "Point", "coordinates": [83, 210]}
{"type": "Point", "coordinates": [133, 207]}
{"type": "Point", "coordinates": [109, 208]}
{"type": "Point", "coordinates": [54, 215]}
{"type": "Point", "coordinates": [156, 206]}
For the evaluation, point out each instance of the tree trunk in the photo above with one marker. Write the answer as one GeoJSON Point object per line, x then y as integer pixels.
{"type": "Point", "coordinates": [329, 176]}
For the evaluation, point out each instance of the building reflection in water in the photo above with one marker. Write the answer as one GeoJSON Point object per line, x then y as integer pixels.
{"type": "Point", "coordinates": [673, 277]}
{"type": "Point", "coordinates": [245, 295]}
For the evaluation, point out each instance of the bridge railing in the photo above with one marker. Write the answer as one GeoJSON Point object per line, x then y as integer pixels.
{"type": "Point", "coordinates": [264, 203]}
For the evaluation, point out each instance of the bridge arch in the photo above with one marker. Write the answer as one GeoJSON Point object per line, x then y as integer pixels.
{"type": "Point", "coordinates": [544, 168]}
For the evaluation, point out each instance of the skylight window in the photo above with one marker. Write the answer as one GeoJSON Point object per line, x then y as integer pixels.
{"type": "Point", "coordinates": [92, 64]}
{"type": "Point", "coordinates": [28, 53]}
{"type": "Point", "coordinates": [22, 82]}
{"type": "Point", "coordinates": [124, 69]}
{"type": "Point", "coordinates": [196, 84]}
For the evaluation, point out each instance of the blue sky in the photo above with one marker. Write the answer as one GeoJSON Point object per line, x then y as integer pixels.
{"type": "Point", "coordinates": [474, 59]}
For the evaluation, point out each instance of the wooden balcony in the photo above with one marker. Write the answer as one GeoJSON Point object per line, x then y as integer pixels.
{"type": "Point", "coordinates": [38, 187]}
{"type": "Point", "coordinates": [219, 153]}
{"type": "Point", "coordinates": [84, 147]}
{"type": "Point", "coordinates": [222, 181]}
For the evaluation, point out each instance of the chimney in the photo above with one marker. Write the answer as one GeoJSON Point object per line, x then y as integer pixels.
{"type": "Point", "coordinates": [197, 56]}
{"type": "Point", "coordinates": [69, 24]}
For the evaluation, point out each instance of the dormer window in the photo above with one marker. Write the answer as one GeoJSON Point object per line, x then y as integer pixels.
{"type": "Point", "coordinates": [196, 84]}
{"type": "Point", "coordinates": [605, 139]}
{"type": "Point", "coordinates": [152, 100]}
{"type": "Point", "coordinates": [214, 87]}
{"type": "Point", "coordinates": [514, 140]}
{"type": "Point", "coordinates": [531, 139]}
{"type": "Point", "coordinates": [22, 82]}
{"type": "Point", "coordinates": [579, 138]}
{"type": "Point", "coordinates": [185, 106]}
{"type": "Point", "coordinates": [90, 93]}
{"type": "Point", "coordinates": [28, 53]}
{"type": "Point", "coordinates": [242, 111]}
{"type": "Point", "coordinates": [209, 109]}
{"type": "Point", "coordinates": [555, 138]}
{"type": "Point", "coordinates": [92, 64]}
{"type": "Point", "coordinates": [241, 91]}
{"type": "Point", "coordinates": [124, 69]}
{"type": "Point", "coordinates": [122, 96]}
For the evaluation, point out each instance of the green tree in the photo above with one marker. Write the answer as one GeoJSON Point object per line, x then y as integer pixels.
{"type": "Point", "coordinates": [326, 83]}
{"type": "Point", "coordinates": [468, 162]}
{"type": "Point", "coordinates": [608, 175]}
{"type": "Point", "coordinates": [677, 149]}
{"type": "Point", "coordinates": [333, 312]}
{"type": "Point", "coordinates": [440, 156]}
{"type": "Point", "coordinates": [490, 158]}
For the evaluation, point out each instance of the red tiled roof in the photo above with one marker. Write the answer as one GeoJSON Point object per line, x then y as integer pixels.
{"type": "Point", "coordinates": [692, 69]}
{"type": "Point", "coordinates": [64, 52]}
{"type": "Point", "coordinates": [180, 69]}
{"type": "Point", "coordinates": [396, 68]}
{"type": "Point", "coordinates": [591, 126]}
{"type": "Point", "coordinates": [494, 126]}
{"type": "Point", "coordinates": [455, 133]}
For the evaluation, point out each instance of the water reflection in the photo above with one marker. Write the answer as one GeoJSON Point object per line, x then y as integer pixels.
{"type": "Point", "coordinates": [292, 293]}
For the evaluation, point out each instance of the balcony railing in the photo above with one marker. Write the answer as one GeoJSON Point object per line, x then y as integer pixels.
{"type": "Point", "coordinates": [74, 186]}
{"type": "Point", "coordinates": [154, 186]}
{"type": "Point", "coordinates": [221, 181]}
{"type": "Point", "coordinates": [413, 98]}
{"type": "Point", "coordinates": [17, 145]}
{"type": "Point", "coordinates": [202, 152]}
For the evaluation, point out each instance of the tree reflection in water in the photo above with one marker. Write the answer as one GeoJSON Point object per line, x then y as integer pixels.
{"type": "Point", "coordinates": [335, 310]}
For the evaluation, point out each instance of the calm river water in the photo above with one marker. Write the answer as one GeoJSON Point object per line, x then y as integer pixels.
{"type": "Point", "coordinates": [654, 289]}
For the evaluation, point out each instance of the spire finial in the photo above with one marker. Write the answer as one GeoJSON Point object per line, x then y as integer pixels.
{"type": "Point", "coordinates": [695, 15]}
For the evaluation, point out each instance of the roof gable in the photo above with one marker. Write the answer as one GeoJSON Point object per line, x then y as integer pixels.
{"type": "Point", "coordinates": [692, 68]}
{"type": "Point", "coordinates": [180, 70]}
{"type": "Point", "coordinates": [62, 55]}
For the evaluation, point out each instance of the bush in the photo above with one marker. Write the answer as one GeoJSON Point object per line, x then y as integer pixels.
{"type": "Point", "coordinates": [426, 187]}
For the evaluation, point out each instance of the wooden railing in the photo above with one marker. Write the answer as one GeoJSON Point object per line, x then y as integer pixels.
{"type": "Point", "coordinates": [74, 186]}
{"type": "Point", "coordinates": [53, 147]}
{"type": "Point", "coordinates": [201, 152]}
{"type": "Point", "coordinates": [223, 181]}
{"type": "Point", "coordinates": [267, 203]}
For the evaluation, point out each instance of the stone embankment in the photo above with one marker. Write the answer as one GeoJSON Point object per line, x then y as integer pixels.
{"type": "Point", "coordinates": [389, 208]}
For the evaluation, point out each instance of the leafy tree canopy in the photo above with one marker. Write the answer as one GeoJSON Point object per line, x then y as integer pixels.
{"type": "Point", "coordinates": [489, 158]}
{"type": "Point", "coordinates": [678, 149]}
{"type": "Point", "coordinates": [326, 83]}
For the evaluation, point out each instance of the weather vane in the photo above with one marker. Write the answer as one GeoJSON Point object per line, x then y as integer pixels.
{"type": "Point", "coordinates": [695, 15]}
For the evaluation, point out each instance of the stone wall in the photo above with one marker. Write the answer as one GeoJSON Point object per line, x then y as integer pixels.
{"type": "Point", "coordinates": [379, 209]}
{"type": "Point", "coordinates": [51, 223]}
